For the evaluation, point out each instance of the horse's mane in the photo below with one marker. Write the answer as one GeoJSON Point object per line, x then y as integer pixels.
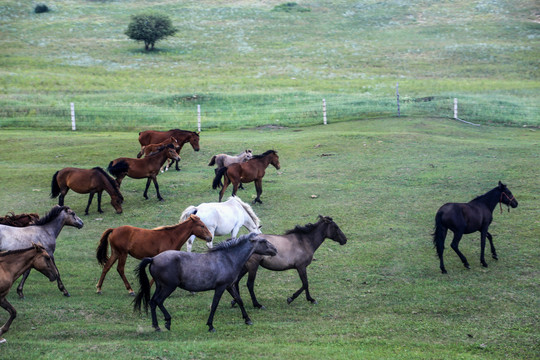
{"type": "Point", "coordinates": [170, 227]}
{"type": "Point", "coordinates": [306, 229]}
{"type": "Point", "coordinates": [248, 209]}
{"type": "Point", "coordinates": [53, 214]}
{"type": "Point", "coordinates": [18, 251]}
{"type": "Point", "coordinates": [266, 153]}
{"type": "Point", "coordinates": [19, 220]}
{"type": "Point", "coordinates": [185, 131]}
{"type": "Point", "coordinates": [480, 197]}
{"type": "Point", "coordinates": [231, 243]}
{"type": "Point", "coordinates": [113, 182]}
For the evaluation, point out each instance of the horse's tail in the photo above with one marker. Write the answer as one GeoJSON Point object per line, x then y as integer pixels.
{"type": "Point", "coordinates": [219, 174]}
{"type": "Point", "coordinates": [143, 296]}
{"type": "Point", "coordinates": [439, 233]}
{"type": "Point", "coordinates": [119, 168]}
{"type": "Point", "coordinates": [212, 161]}
{"type": "Point", "coordinates": [101, 251]}
{"type": "Point", "coordinates": [190, 210]}
{"type": "Point", "coordinates": [55, 189]}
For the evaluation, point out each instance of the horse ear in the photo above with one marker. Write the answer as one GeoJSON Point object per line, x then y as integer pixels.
{"type": "Point", "coordinates": [501, 185]}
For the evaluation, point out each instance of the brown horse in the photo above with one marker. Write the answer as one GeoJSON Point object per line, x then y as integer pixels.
{"type": "Point", "coordinates": [147, 167]}
{"type": "Point", "coordinates": [251, 170]}
{"type": "Point", "coordinates": [19, 220]}
{"type": "Point", "coordinates": [12, 265]}
{"type": "Point", "coordinates": [139, 243]}
{"type": "Point", "coordinates": [84, 181]}
{"type": "Point", "coordinates": [182, 136]}
{"type": "Point", "coordinates": [152, 148]}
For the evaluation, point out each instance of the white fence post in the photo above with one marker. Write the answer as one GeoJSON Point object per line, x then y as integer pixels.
{"type": "Point", "coordinates": [199, 118]}
{"type": "Point", "coordinates": [73, 126]}
{"type": "Point", "coordinates": [324, 111]}
{"type": "Point", "coordinates": [455, 108]}
{"type": "Point", "coordinates": [397, 94]}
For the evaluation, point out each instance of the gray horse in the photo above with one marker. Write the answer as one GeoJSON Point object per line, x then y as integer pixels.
{"type": "Point", "coordinates": [216, 270]}
{"type": "Point", "coordinates": [44, 231]}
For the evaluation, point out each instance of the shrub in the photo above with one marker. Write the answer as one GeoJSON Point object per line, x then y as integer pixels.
{"type": "Point", "coordinates": [290, 7]}
{"type": "Point", "coordinates": [150, 28]}
{"type": "Point", "coordinates": [41, 8]}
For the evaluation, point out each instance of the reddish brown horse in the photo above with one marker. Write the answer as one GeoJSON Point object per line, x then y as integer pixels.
{"type": "Point", "coordinates": [182, 136]}
{"type": "Point", "coordinates": [147, 167]}
{"type": "Point", "coordinates": [86, 181]}
{"type": "Point", "coordinates": [12, 265]}
{"type": "Point", "coordinates": [251, 170]}
{"type": "Point", "coordinates": [152, 148]}
{"type": "Point", "coordinates": [19, 220]}
{"type": "Point", "coordinates": [139, 243]}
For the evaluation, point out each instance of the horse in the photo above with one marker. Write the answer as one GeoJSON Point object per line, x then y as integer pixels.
{"type": "Point", "coordinates": [13, 264]}
{"type": "Point", "coordinates": [224, 160]}
{"type": "Point", "coordinates": [152, 148]}
{"type": "Point", "coordinates": [182, 136]}
{"type": "Point", "coordinates": [84, 181]}
{"type": "Point", "coordinates": [295, 250]}
{"type": "Point", "coordinates": [224, 218]}
{"type": "Point", "coordinates": [43, 231]}
{"type": "Point", "coordinates": [215, 270]}
{"type": "Point", "coordinates": [18, 220]}
{"type": "Point", "coordinates": [466, 218]}
{"type": "Point", "coordinates": [251, 170]}
{"type": "Point", "coordinates": [139, 243]}
{"type": "Point", "coordinates": [147, 167]}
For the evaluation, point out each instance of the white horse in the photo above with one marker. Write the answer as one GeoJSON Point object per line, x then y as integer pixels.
{"type": "Point", "coordinates": [223, 218]}
{"type": "Point", "coordinates": [223, 160]}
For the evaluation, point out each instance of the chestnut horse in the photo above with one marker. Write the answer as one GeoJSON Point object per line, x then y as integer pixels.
{"type": "Point", "coordinates": [18, 220]}
{"type": "Point", "coordinates": [84, 181]}
{"type": "Point", "coordinates": [147, 167]}
{"type": "Point", "coordinates": [139, 243]}
{"type": "Point", "coordinates": [251, 170]}
{"type": "Point", "coordinates": [152, 148]}
{"type": "Point", "coordinates": [182, 136]}
{"type": "Point", "coordinates": [12, 265]}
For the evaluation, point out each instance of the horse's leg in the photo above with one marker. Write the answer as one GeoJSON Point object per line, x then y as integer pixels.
{"type": "Point", "coordinates": [106, 269]}
{"type": "Point", "coordinates": [99, 202]}
{"type": "Point", "coordinates": [59, 282]}
{"type": "Point", "coordinates": [258, 188]}
{"type": "Point", "coordinates": [12, 315]}
{"type": "Point", "coordinates": [145, 194]}
{"type": "Point", "coordinates": [226, 182]}
{"type": "Point", "coordinates": [157, 188]}
{"type": "Point", "coordinates": [493, 252]}
{"type": "Point", "coordinates": [189, 244]}
{"type": "Point", "coordinates": [120, 178]}
{"type": "Point", "coordinates": [305, 286]}
{"type": "Point", "coordinates": [236, 296]}
{"type": "Point", "coordinates": [158, 299]}
{"type": "Point", "coordinates": [250, 285]}
{"type": "Point", "coordinates": [21, 284]}
{"type": "Point", "coordinates": [177, 162]}
{"type": "Point", "coordinates": [483, 234]}
{"type": "Point", "coordinates": [120, 268]}
{"type": "Point", "coordinates": [90, 197]}
{"type": "Point", "coordinates": [237, 282]}
{"type": "Point", "coordinates": [455, 246]}
{"type": "Point", "coordinates": [215, 301]}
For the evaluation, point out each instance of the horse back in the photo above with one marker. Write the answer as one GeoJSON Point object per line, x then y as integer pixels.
{"type": "Point", "coordinates": [464, 217]}
{"type": "Point", "coordinates": [291, 253]}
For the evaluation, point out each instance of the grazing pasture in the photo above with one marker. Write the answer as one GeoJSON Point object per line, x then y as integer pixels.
{"type": "Point", "coordinates": [380, 296]}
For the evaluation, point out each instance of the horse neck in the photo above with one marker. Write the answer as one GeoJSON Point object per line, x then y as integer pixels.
{"type": "Point", "coordinates": [161, 157]}
{"type": "Point", "coordinates": [181, 232]}
{"type": "Point", "coordinates": [109, 188]}
{"type": "Point", "coordinates": [316, 237]}
{"type": "Point", "coordinates": [53, 228]}
{"type": "Point", "coordinates": [18, 264]}
{"type": "Point", "coordinates": [240, 254]}
{"type": "Point", "coordinates": [489, 199]}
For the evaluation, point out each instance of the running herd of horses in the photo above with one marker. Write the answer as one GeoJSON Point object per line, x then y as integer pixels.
{"type": "Point", "coordinates": [28, 241]}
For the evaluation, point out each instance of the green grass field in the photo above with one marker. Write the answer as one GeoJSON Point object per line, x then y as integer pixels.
{"type": "Point", "coordinates": [380, 296]}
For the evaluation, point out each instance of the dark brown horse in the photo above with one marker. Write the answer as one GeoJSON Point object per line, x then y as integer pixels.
{"type": "Point", "coordinates": [466, 218]}
{"type": "Point", "coordinates": [251, 170]}
{"type": "Point", "coordinates": [86, 181]}
{"type": "Point", "coordinates": [152, 148]}
{"type": "Point", "coordinates": [18, 220]}
{"type": "Point", "coordinates": [147, 167]}
{"type": "Point", "coordinates": [139, 243]}
{"type": "Point", "coordinates": [12, 265]}
{"type": "Point", "coordinates": [182, 136]}
{"type": "Point", "coordinates": [295, 250]}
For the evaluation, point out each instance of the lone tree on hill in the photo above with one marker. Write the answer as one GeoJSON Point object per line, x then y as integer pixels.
{"type": "Point", "coordinates": [150, 28]}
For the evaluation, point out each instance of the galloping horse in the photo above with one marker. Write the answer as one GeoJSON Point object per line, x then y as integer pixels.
{"type": "Point", "coordinates": [139, 243]}
{"type": "Point", "coordinates": [251, 170]}
{"type": "Point", "coordinates": [182, 136]}
{"type": "Point", "coordinates": [12, 265]}
{"type": "Point", "coordinates": [84, 181]}
{"type": "Point", "coordinates": [19, 220]}
{"type": "Point", "coordinates": [215, 270]}
{"type": "Point", "coordinates": [43, 231]}
{"type": "Point", "coordinates": [147, 167]}
{"type": "Point", "coordinates": [295, 250]}
{"type": "Point", "coordinates": [466, 218]}
{"type": "Point", "coordinates": [151, 148]}
{"type": "Point", "coordinates": [223, 218]}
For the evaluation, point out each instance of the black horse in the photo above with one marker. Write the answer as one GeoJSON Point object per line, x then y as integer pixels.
{"type": "Point", "coordinates": [216, 270]}
{"type": "Point", "coordinates": [466, 218]}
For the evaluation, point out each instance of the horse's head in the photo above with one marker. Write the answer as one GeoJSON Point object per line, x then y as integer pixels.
{"type": "Point", "coordinates": [199, 229]}
{"type": "Point", "coordinates": [175, 143]}
{"type": "Point", "coordinates": [71, 219]}
{"type": "Point", "coordinates": [116, 202]}
{"type": "Point", "coordinates": [333, 231]}
{"type": "Point", "coordinates": [43, 263]}
{"type": "Point", "coordinates": [171, 152]}
{"type": "Point", "coordinates": [248, 154]}
{"type": "Point", "coordinates": [194, 141]}
{"type": "Point", "coordinates": [262, 246]}
{"type": "Point", "coordinates": [275, 160]}
{"type": "Point", "coordinates": [506, 196]}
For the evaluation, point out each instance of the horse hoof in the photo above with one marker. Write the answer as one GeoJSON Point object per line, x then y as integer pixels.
{"type": "Point", "coordinates": [212, 330]}
{"type": "Point", "coordinates": [131, 293]}
{"type": "Point", "coordinates": [233, 303]}
{"type": "Point", "coordinates": [467, 266]}
{"type": "Point", "coordinates": [2, 340]}
{"type": "Point", "coordinates": [161, 199]}
{"type": "Point", "coordinates": [289, 300]}
{"type": "Point", "coordinates": [249, 322]}
{"type": "Point", "coordinates": [314, 302]}
{"type": "Point", "coordinates": [66, 294]}
{"type": "Point", "coordinates": [99, 292]}
{"type": "Point", "coordinates": [495, 257]}
{"type": "Point", "coordinates": [157, 329]}
{"type": "Point", "coordinates": [485, 265]}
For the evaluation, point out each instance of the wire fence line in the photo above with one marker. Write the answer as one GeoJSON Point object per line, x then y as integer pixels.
{"type": "Point", "coordinates": [230, 114]}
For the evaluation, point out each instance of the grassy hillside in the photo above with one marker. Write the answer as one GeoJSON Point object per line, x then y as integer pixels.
{"type": "Point", "coordinates": [248, 64]}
